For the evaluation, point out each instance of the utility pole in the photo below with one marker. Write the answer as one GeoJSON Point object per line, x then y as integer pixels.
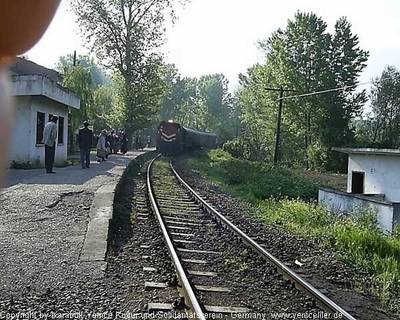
{"type": "Point", "coordinates": [74, 58]}
{"type": "Point", "coordinates": [279, 120]}
{"type": "Point", "coordinates": [237, 113]}
{"type": "Point", "coordinates": [278, 126]}
{"type": "Point", "coordinates": [70, 132]}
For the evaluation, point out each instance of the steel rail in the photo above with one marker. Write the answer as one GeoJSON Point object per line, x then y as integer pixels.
{"type": "Point", "coordinates": [193, 302]}
{"type": "Point", "coordinates": [322, 301]}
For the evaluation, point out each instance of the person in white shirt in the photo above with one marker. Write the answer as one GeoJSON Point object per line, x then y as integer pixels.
{"type": "Point", "coordinates": [49, 140]}
{"type": "Point", "coordinates": [101, 146]}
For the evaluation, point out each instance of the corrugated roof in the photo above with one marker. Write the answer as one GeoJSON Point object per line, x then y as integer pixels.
{"type": "Point", "coordinates": [21, 66]}
{"type": "Point", "coordinates": [368, 151]}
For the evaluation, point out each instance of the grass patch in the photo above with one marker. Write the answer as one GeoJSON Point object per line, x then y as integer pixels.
{"type": "Point", "coordinates": [253, 181]}
{"type": "Point", "coordinates": [297, 216]}
{"type": "Point", "coordinates": [286, 199]}
{"type": "Point", "coordinates": [165, 177]}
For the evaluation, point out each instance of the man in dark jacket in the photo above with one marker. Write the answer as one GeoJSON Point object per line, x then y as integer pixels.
{"type": "Point", "coordinates": [85, 144]}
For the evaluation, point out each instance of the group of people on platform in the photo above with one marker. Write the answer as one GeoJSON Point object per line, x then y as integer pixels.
{"type": "Point", "coordinates": [111, 143]}
{"type": "Point", "coordinates": [108, 143]}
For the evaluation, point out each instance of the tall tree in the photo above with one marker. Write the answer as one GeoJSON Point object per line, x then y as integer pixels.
{"type": "Point", "coordinates": [385, 104]}
{"type": "Point", "coordinates": [347, 61]}
{"type": "Point", "coordinates": [66, 63]}
{"type": "Point", "coordinates": [216, 104]}
{"type": "Point", "coordinates": [259, 110]}
{"type": "Point", "coordinates": [79, 80]}
{"type": "Point", "coordinates": [364, 131]}
{"type": "Point", "coordinates": [125, 34]}
{"type": "Point", "coordinates": [305, 57]}
{"type": "Point", "coordinates": [190, 111]}
{"type": "Point", "coordinates": [202, 104]}
{"type": "Point", "coordinates": [91, 84]}
{"type": "Point", "coordinates": [174, 94]}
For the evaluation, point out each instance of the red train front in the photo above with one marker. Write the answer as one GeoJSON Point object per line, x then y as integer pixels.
{"type": "Point", "coordinates": [169, 138]}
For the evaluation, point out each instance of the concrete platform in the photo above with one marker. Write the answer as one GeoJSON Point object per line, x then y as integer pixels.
{"type": "Point", "coordinates": [54, 227]}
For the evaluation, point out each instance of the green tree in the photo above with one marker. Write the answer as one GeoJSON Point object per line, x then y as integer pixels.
{"type": "Point", "coordinates": [125, 35]}
{"type": "Point", "coordinates": [385, 104]}
{"type": "Point", "coordinates": [98, 75]}
{"type": "Point", "coordinates": [190, 110]}
{"type": "Point", "coordinates": [203, 104]}
{"type": "Point", "coordinates": [174, 94]}
{"type": "Point", "coordinates": [347, 61]}
{"type": "Point", "coordinates": [79, 80]}
{"type": "Point", "coordinates": [259, 108]}
{"type": "Point", "coordinates": [105, 109]}
{"type": "Point", "coordinates": [306, 58]}
{"type": "Point", "coordinates": [217, 114]}
{"type": "Point", "coordinates": [91, 84]}
{"type": "Point", "coordinates": [363, 130]}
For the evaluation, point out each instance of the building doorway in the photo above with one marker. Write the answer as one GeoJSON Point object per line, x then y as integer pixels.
{"type": "Point", "coordinates": [357, 182]}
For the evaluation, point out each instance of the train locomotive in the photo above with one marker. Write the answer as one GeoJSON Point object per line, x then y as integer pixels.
{"type": "Point", "coordinates": [173, 138]}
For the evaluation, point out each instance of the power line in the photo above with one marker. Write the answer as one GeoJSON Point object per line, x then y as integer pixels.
{"type": "Point", "coordinates": [281, 97]}
{"type": "Point", "coordinates": [330, 90]}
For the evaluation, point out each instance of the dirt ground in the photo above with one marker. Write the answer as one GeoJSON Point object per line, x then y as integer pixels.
{"type": "Point", "coordinates": [331, 180]}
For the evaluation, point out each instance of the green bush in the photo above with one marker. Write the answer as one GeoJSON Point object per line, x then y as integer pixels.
{"type": "Point", "coordinates": [318, 157]}
{"type": "Point", "coordinates": [255, 180]}
{"type": "Point", "coordinates": [322, 158]}
{"type": "Point", "coordinates": [237, 148]}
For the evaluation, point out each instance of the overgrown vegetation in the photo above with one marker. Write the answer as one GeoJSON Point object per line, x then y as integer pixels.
{"type": "Point", "coordinates": [284, 199]}
{"type": "Point", "coordinates": [124, 215]}
{"type": "Point", "coordinates": [253, 181]}
{"type": "Point", "coordinates": [124, 209]}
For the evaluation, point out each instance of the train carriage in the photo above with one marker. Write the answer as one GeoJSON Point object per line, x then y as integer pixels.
{"type": "Point", "coordinates": [173, 138]}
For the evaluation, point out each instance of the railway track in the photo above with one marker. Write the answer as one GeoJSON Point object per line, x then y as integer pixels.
{"type": "Point", "coordinates": [202, 242]}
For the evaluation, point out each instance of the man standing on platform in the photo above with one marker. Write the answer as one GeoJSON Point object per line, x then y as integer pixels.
{"type": "Point", "coordinates": [49, 140]}
{"type": "Point", "coordinates": [85, 144]}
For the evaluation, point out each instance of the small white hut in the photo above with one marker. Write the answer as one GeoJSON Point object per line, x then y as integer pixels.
{"type": "Point", "coordinates": [373, 181]}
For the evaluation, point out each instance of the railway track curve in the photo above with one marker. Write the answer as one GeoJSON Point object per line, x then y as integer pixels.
{"type": "Point", "coordinates": [177, 211]}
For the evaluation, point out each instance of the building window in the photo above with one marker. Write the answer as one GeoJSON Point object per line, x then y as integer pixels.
{"type": "Point", "coordinates": [39, 127]}
{"type": "Point", "coordinates": [61, 130]}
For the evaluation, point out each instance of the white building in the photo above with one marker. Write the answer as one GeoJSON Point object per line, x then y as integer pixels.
{"type": "Point", "coordinates": [373, 181]}
{"type": "Point", "coordinates": [37, 97]}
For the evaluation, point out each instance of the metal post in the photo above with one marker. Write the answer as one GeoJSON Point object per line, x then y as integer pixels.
{"type": "Point", "coordinates": [278, 127]}
{"type": "Point", "coordinates": [70, 129]}
{"type": "Point", "coordinates": [74, 62]}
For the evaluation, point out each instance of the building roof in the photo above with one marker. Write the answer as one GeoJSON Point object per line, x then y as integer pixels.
{"type": "Point", "coordinates": [368, 151]}
{"type": "Point", "coordinates": [39, 85]}
{"type": "Point", "coordinates": [22, 67]}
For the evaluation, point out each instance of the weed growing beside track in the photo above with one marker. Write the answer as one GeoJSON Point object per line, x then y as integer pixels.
{"type": "Point", "coordinates": [287, 200]}
{"type": "Point", "coordinates": [124, 216]}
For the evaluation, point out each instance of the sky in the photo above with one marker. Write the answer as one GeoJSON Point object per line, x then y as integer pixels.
{"type": "Point", "coordinates": [220, 36]}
